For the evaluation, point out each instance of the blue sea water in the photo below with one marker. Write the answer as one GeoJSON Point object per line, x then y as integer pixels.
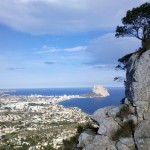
{"type": "Point", "coordinates": [51, 91]}
{"type": "Point", "coordinates": [88, 105]}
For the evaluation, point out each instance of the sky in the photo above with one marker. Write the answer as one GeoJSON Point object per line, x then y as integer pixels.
{"type": "Point", "coordinates": [62, 43]}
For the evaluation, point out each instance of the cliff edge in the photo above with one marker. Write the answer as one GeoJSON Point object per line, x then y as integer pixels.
{"type": "Point", "coordinates": [125, 127]}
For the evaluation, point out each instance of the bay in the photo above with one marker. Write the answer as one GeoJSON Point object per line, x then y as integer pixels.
{"type": "Point", "coordinates": [88, 105]}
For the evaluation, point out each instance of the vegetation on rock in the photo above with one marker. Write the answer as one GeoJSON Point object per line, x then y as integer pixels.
{"type": "Point", "coordinates": [126, 130]}
{"type": "Point", "coordinates": [134, 22]}
{"type": "Point", "coordinates": [70, 144]}
{"type": "Point", "coordinates": [124, 111]}
{"type": "Point", "coordinates": [123, 61]}
{"type": "Point", "coordinates": [134, 25]}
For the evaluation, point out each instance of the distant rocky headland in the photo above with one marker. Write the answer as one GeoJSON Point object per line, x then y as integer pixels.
{"type": "Point", "coordinates": [97, 91]}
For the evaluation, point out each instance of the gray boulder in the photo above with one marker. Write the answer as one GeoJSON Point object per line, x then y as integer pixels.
{"type": "Point", "coordinates": [100, 142]}
{"type": "Point", "coordinates": [106, 120]}
{"type": "Point", "coordinates": [85, 138]}
{"type": "Point", "coordinates": [125, 144]}
{"type": "Point", "coordinates": [107, 126]}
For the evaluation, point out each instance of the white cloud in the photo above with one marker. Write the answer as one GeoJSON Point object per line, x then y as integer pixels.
{"type": "Point", "coordinates": [45, 49]}
{"type": "Point", "coordinates": [100, 66]}
{"type": "Point", "coordinates": [63, 16]}
{"type": "Point", "coordinates": [75, 49]}
{"type": "Point", "coordinates": [48, 49]}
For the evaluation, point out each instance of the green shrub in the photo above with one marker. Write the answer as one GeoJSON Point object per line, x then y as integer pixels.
{"type": "Point", "coordinates": [146, 45]}
{"type": "Point", "coordinates": [123, 62]}
{"type": "Point", "coordinates": [7, 147]}
{"type": "Point", "coordinates": [48, 147]}
{"type": "Point", "coordinates": [127, 129]}
{"type": "Point", "coordinates": [80, 129]}
{"type": "Point", "coordinates": [122, 101]}
{"type": "Point", "coordinates": [90, 126]}
{"type": "Point", "coordinates": [125, 58]}
{"type": "Point", "coordinates": [71, 143]}
{"type": "Point", "coordinates": [124, 111]}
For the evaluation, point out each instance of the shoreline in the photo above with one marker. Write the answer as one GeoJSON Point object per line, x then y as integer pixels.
{"type": "Point", "coordinates": [51, 99]}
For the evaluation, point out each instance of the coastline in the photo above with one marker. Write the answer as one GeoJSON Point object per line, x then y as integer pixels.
{"type": "Point", "coordinates": [45, 99]}
{"type": "Point", "coordinates": [57, 99]}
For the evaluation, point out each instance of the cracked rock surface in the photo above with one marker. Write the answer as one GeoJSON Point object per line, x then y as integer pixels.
{"type": "Point", "coordinates": [109, 120]}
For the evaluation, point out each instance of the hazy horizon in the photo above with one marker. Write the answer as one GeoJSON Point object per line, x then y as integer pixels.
{"type": "Point", "coordinates": [58, 87]}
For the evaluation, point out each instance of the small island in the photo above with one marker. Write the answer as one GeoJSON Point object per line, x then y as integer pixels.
{"type": "Point", "coordinates": [97, 91]}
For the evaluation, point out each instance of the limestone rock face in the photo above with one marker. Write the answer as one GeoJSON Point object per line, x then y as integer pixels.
{"type": "Point", "coordinates": [142, 135]}
{"type": "Point", "coordinates": [138, 82]}
{"type": "Point", "coordinates": [100, 143]}
{"type": "Point", "coordinates": [137, 92]}
{"type": "Point", "coordinates": [85, 138]}
{"type": "Point", "coordinates": [106, 120]}
{"type": "Point", "coordinates": [107, 125]}
{"type": "Point", "coordinates": [105, 117]}
{"type": "Point", "coordinates": [100, 91]}
{"type": "Point", "coordinates": [102, 113]}
{"type": "Point", "coordinates": [125, 144]}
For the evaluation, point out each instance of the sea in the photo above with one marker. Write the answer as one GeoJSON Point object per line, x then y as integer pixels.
{"type": "Point", "coordinates": [87, 105]}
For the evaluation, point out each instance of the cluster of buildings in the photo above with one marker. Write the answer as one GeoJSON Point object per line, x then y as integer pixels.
{"type": "Point", "coordinates": [24, 118]}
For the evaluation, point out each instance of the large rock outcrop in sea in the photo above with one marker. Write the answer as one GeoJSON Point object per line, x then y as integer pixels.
{"type": "Point", "coordinates": [97, 91]}
{"type": "Point", "coordinates": [126, 127]}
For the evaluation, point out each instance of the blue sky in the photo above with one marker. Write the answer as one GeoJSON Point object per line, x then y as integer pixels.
{"type": "Point", "coordinates": [62, 43]}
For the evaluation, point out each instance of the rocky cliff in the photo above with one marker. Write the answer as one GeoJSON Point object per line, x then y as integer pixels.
{"type": "Point", "coordinates": [138, 91]}
{"type": "Point", "coordinates": [126, 127]}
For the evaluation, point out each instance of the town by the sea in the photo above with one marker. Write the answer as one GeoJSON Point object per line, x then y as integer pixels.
{"type": "Point", "coordinates": [87, 105]}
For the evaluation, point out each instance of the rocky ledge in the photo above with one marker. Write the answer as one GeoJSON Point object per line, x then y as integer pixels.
{"type": "Point", "coordinates": [125, 127]}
